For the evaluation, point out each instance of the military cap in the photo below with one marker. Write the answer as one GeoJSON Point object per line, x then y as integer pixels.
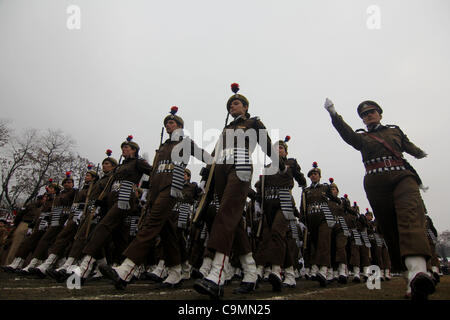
{"type": "Point", "coordinates": [315, 169]}
{"type": "Point", "coordinates": [93, 173]}
{"type": "Point", "coordinates": [283, 142]}
{"type": "Point", "coordinates": [174, 117]}
{"type": "Point", "coordinates": [131, 143]}
{"type": "Point", "coordinates": [236, 96]}
{"type": "Point", "coordinates": [109, 158]}
{"type": "Point", "coordinates": [68, 177]}
{"type": "Point", "coordinates": [332, 184]}
{"type": "Point", "coordinates": [368, 105]}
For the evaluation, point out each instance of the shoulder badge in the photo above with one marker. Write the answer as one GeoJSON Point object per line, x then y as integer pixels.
{"type": "Point", "coordinates": [360, 131]}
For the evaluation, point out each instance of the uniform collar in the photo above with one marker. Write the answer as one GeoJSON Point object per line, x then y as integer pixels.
{"type": "Point", "coordinates": [238, 119]}
{"type": "Point", "coordinates": [374, 128]}
{"type": "Point", "coordinates": [315, 185]}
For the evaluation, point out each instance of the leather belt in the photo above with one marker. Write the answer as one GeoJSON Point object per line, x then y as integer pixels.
{"type": "Point", "coordinates": [386, 163]}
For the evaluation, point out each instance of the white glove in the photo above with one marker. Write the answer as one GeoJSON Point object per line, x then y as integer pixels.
{"type": "Point", "coordinates": [329, 106]}
{"type": "Point", "coordinates": [29, 231]}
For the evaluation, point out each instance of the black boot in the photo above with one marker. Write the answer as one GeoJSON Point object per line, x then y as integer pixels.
{"type": "Point", "coordinates": [196, 274]}
{"type": "Point", "coordinates": [111, 274]}
{"type": "Point", "coordinates": [322, 280]}
{"type": "Point", "coordinates": [208, 287]}
{"type": "Point", "coordinates": [421, 286]}
{"type": "Point", "coordinates": [275, 282]}
{"type": "Point", "coordinates": [245, 287]}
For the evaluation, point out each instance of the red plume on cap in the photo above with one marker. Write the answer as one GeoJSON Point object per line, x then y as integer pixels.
{"type": "Point", "coordinates": [90, 166]}
{"type": "Point", "coordinates": [50, 180]}
{"type": "Point", "coordinates": [235, 87]}
{"type": "Point", "coordinates": [287, 138]}
{"type": "Point", "coordinates": [174, 110]}
{"type": "Point", "coordinates": [129, 138]}
{"type": "Point", "coordinates": [346, 196]}
{"type": "Point", "coordinates": [367, 209]}
{"type": "Point", "coordinates": [354, 203]}
{"type": "Point", "coordinates": [314, 164]}
{"type": "Point", "coordinates": [68, 173]}
{"type": "Point", "coordinates": [331, 180]}
{"type": "Point", "coordinates": [109, 152]}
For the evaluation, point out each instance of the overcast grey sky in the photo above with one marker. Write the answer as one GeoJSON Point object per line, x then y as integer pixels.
{"type": "Point", "coordinates": [131, 60]}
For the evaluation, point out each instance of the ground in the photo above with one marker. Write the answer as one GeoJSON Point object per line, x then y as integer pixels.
{"type": "Point", "coordinates": [13, 287]}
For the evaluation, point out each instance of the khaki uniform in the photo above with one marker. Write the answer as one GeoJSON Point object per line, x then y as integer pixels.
{"type": "Point", "coordinates": [81, 239]}
{"type": "Point", "coordinates": [127, 174]}
{"type": "Point", "coordinates": [159, 219]}
{"type": "Point", "coordinates": [277, 225]}
{"type": "Point", "coordinates": [338, 237]}
{"type": "Point", "coordinates": [65, 237]}
{"type": "Point", "coordinates": [392, 190]}
{"type": "Point", "coordinates": [231, 184]}
{"type": "Point", "coordinates": [22, 221]}
{"type": "Point", "coordinates": [31, 241]}
{"type": "Point", "coordinates": [64, 201]}
{"type": "Point", "coordinates": [181, 216]}
{"type": "Point", "coordinates": [318, 251]}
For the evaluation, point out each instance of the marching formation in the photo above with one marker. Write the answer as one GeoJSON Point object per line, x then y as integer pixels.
{"type": "Point", "coordinates": [150, 221]}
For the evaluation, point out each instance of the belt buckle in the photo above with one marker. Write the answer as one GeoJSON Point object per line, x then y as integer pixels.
{"type": "Point", "coordinates": [386, 161]}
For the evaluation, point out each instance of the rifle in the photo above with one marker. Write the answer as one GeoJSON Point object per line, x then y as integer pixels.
{"type": "Point", "coordinates": [100, 197]}
{"type": "Point", "coordinates": [207, 196]}
{"type": "Point", "coordinates": [88, 195]}
{"type": "Point", "coordinates": [305, 234]}
{"type": "Point", "coordinates": [258, 233]}
{"type": "Point", "coordinates": [146, 206]}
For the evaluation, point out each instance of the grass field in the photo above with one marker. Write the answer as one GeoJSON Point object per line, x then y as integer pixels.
{"type": "Point", "coordinates": [15, 287]}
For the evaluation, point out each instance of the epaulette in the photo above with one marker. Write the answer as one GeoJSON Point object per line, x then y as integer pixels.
{"type": "Point", "coordinates": [360, 130]}
{"type": "Point", "coordinates": [392, 126]}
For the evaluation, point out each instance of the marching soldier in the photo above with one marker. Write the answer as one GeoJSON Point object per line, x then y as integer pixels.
{"type": "Point", "coordinates": [319, 220]}
{"type": "Point", "coordinates": [376, 249]}
{"type": "Point", "coordinates": [88, 217]}
{"type": "Point", "coordinates": [232, 176]}
{"type": "Point", "coordinates": [355, 243]}
{"type": "Point", "coordinates": [35, 230]}
{"type": "Point", "coordinates": [340, 233]}
{"type": "Point", "coordinates": [166, 182]}
{"type": "Point", "coordinates": [280, 219]}
{"type": "Point", "coordinates": [364, 250]}
{"type": "Point", "coordinates": [65, 237]}
{"type": "Point", "coordinates": [124, 179]}
{"type": "Point", "coordinates": [21, 222]}
{"type": "Point", "coordinates": [191, 193]}
{"type": "Point", "coordinates": [392, 188]}
{"type": "Point", "coordinates": [60, 209]}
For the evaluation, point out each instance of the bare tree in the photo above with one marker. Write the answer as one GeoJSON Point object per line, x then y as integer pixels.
{"type": "Point", "coordinates": [19, 150]}
{"type": "Point", "coordinates": [443, 244]}
{"type": "Point", "coordinates": [29, 161]}
{"type": "Point", "coordinates": [48, 161]}
{"type": "Point", "coordinates": [4, 132]}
